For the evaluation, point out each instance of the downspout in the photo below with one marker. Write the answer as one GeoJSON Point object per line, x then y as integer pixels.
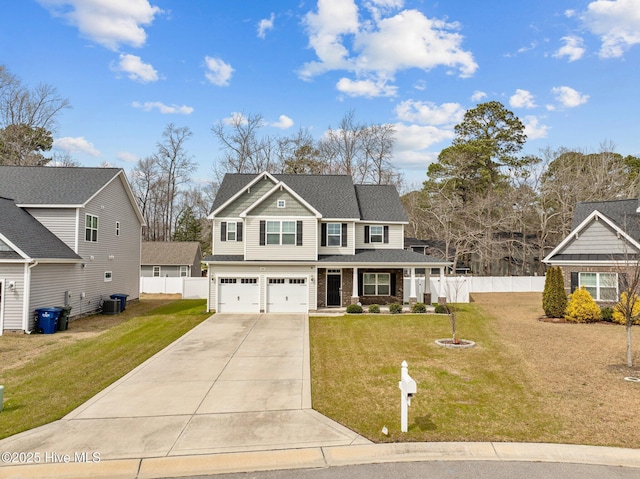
{"type": "Point", "coordinates": [27, 296]}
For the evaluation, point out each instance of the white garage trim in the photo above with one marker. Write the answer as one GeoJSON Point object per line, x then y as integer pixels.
{"type": "Point", "coordinates": [287, 294]}
{"type": "Point", "coordinates": [237, 294]}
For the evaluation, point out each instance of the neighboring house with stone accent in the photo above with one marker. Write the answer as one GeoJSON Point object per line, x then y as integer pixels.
{"type": "Point", "coordinates": [176, 259]}
{"type": "Point", "coordinates": [68, 237]}
{"type": "Point", "coordinates": [603, 242]}
{"type": "Point", "coordinates": [297, 243]}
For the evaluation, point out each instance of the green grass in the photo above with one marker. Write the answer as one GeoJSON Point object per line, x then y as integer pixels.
{"type": "Point", "coordinates": [476, 394]}
{"type": "Point", "coordinates": [57, 382]}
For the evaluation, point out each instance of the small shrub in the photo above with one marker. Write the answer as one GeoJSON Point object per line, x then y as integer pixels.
{"type": "Point", "coordinates": [554, 299]}
{"type": "Point", "coordinates": [607, 314]}
{"type": "Point", "coordinates": [374, 308]}
{"type": "Point", "coordinates": [419, 308]}
{"type": "Point", "coordinates": [442, 309]}
{"type": "Point", "coordinates": [354, 309]}
{"type": "Point", "coordinates": [618, 315]}
{"type": "Point", "coordinates": [582, 308]}
{"type": "Point", "coordinates": [395, 308]}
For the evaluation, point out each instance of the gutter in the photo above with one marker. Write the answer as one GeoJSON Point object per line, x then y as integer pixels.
{"type": "Point", "coordinates": [27, 296]}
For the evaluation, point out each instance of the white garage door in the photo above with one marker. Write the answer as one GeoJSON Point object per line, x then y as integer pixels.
{"type": "Point", "coordinates": [287, 295]}
{"type": "Point", "coordinates": [238, 295]}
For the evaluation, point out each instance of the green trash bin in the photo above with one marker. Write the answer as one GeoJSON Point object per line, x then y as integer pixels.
{"type": "Point", "coordinates": [63, 319]}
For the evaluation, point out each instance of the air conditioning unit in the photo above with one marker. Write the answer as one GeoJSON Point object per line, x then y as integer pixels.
{"type": "Point", "coordinates": [111, 306]}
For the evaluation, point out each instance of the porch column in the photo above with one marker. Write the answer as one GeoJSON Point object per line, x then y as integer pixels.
{"type": "Point", "coordinates": [354, 293]}
{"type": "Point", "coordinates": [442, 294]}
{"type": "Point", "coordinates": [413, 298]}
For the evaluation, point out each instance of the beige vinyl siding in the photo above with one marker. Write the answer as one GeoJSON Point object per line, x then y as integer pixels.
{"type": "Point", "coordinates": [263, 273]}
{"type": "Point", "coordinates": [597, 238]}
{"type": "Point", "coordinates": [49, 282]}
{"type": "Point", "coordinates": [227, 247]}
{"type": "Point", "coordinates": [255, 251]}
{"type": "Point", "coordinates": [349, 249]}
{"type": "Point", "coordinates": [268, 206]}
{"type": "Point", "coordinates": [396, 239]}
{"type": "Point", "coordinates": [12, 299]}
{"type": "Point", "coordinates": [60, 221]}
{"type": "Point", "coordinates": [246, 199]}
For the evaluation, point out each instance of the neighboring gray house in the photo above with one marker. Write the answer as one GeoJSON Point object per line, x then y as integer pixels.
{"type": "Point", "coordinates": [296, 243]}
{"type": "Point", "coordinates": [605, 237]}
{"type": "Point", "coordinates": [68, 236]}
{"type": "Point", "coordinates": [171, 259]}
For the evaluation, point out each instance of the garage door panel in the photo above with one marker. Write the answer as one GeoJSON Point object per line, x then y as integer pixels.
{"type": "Point", "coordinates": [238, 295]}
{"type": "Point", "coordinates": [287, 295]}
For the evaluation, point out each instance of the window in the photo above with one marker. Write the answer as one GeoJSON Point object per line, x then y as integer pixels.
{"type": "Point", "coordinates": [249, 281]}
{"type": "Point", "coordinates": [297, 281]}
{"type": "Point", "coordinates": [273, 232]}
{"type": "Point", "coordinates": [227, 280]}
{"type": "Point", "coordinates": [376, 284]}
{"type": "Point", "coordinates": [107, 276]}
{"type": "Point", "coordinates": [281, 232]}
{"type": "Point", "coordinates": [601, 286]}
{"type": "Point", "coordinates": [91, 228]}
{"type": "Point", "coordinates": [184, 271]}
{"type": "Point", "coordinates": [276, 280]}
{"type": "Point", "coordinates": [117, 228]}
{"type": "Point", "coordinates": [156, 271]}
{"type": "Point", "coordinates": [334, 234]}
{"type": "Point", "coordinates": [231, 231]}
{"type": "Point", "coordinates": [376, 234]}
{"type": "Point", "coordinates": [281, 204]}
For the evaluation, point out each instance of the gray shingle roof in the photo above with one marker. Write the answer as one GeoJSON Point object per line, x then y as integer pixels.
{"type": "Point", "coordinates": [177, 253]}
{"type": "Point", "coordinates": [334, 196]}
{"type": "Point", "coordinates": [621, 212]}
{"type": "Point", "coordinates": [30, 236]}
{"type": "Point", "coordinates": [397, 256]}
{"type": "Point", "coordinates": [38, 185]}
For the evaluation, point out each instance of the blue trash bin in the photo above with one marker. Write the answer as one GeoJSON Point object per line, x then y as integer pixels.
{"type": "Point", "coordinates": [48, 319]}
{"type": "Point", "coordinates": [122, 298]}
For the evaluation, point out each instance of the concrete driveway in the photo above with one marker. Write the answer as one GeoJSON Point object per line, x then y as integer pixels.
{"type": "Point", "coordinates": [234, 383]}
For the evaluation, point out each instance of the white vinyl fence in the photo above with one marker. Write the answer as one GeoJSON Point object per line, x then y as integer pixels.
{"type": "Point", "coordinates": [458, 288]}
{"type": "Point", "coordinates": [189, 288]}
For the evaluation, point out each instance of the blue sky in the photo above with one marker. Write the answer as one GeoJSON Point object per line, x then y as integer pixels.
{"type": "Point", "coordinates": [568, 69]}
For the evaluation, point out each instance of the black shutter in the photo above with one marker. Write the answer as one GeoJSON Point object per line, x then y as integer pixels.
{"type": "Point", "coordinates": [263, 233]}
{"type": "Point", "coordinates": [299, 233]}
{"type": "Point", "coordinates": [360, 279]}
{"type": "Point", "coordinates": [344, 234]}
{"type": "Point", "coordinates": [223, 231]}
{"type": "Point", "coordinates": [323, 234]}
{"type": "Point", "coordinates": [574, 281]}
{"type": "Point", "coordinates": [238, 231]}
{"type": "Point", "coordinates": [386, 234]}
{"type": "Point", "coordinates": [393, 283]}
{"type": "Point", "coordinates": [366, 234]}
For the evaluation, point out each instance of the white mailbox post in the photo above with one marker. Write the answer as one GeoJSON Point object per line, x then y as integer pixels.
{"type": "Point", "coordinates": [408, 388]}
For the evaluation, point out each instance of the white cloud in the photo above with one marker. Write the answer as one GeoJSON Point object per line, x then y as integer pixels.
{"type": "Point", "coordinates": [136, 69]}
{"type": "Point", "coordinates": [365, 88]}
{"type": "Point", "coordinates": [533, 129]}
{"type": "Point", "coordinates": [522, 99]}
{"type": "Point", "coordinates": [218, 72]}
{"type": "Point", "coordinates": [127, 157]}
{"type": "Point", "coordinates": [75, 145]}
{"type": "Point", "coordinates": [478, 95]}
{"type": "Point", "coordinates": [568, 97]}
{"type": "Point", "coordinates": [573, 48]}
{"type": "Point", "coordinates": [569, 13]}
{"type": "Point", "coordinates": [265, 25]}
{"type": "Point", "coordinates": [162, 108]}
{"type": "Point", "coordinates": [236, 118]}
{"type": "Point", "coordinates": [283, 122]}
{"type": "Point", "coordinates": [428, 113]}
{"type": "Point", "coordinates": [110, 23]}
{"type": "Point", "coordinates": [413, 140]}
{"type": "Point", "coordinates": [616, 22]}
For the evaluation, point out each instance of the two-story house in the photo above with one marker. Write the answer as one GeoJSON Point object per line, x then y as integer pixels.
{"type": "Point", "coordinates": [296, 243]}
{"type": "Point", "coordinates": [68, 237]}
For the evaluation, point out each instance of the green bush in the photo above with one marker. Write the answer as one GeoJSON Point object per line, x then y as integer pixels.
{"type": "Point", "coordinates": [395, 308]}
{"type": "Point", "coordinates": [607, 314]}
{"type": "Point", "coordinates": [354, 309]}
{"type": "Point", "coordinates": [582, 308]}
{"type": "Point", "coordinates": [374, 308]}
{"type": "Point", "coordinates": [419, 308]}
{"type": "Point", "coordinates": [442, 309]}
{"type": "Point", "coordinates": [554, 299]}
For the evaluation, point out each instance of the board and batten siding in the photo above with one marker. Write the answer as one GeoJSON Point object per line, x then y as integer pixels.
{"type": "Point", "coordinates": [263, 273]}
{"type": "Point", "coordinates": [12, 301]}
{"type": "Point", "coordinates": [597, 238]}
{"type": "Point", "coordinates": [255, 251]}
{"type": "Point", "coordinates": [246, 199]}
{"type": "Point", "coordinates": [61, 222]}
{"type": "Point", "coordinates": [349, 249]}
{"type": "Point", "coordinates": [226, 247]}
{"type": "Point", "coordinates": [396, 237]}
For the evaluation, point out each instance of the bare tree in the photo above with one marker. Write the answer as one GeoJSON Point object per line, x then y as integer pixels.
{"type": "Point", "coordinates": [342, 149]}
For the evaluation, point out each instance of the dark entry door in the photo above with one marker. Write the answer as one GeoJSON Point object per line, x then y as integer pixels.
{"type": "Point", "coordinates": [333, 289]}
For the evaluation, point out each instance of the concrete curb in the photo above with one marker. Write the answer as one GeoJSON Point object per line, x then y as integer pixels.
{"type": "Point", "coordinates": [320, 457]}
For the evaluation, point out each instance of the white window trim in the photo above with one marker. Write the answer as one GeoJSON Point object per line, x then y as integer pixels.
{"type": "Point", "coordinates": [153, 272]}
{"type": "Point", "coordinates": [280, 233]}
{"type": "Point", "coordinates": [117, 228]}
{"type": "Point", "coordinates": [339, 235]}
{"type": "Point", "coordinates": [108, 276]}
{"type": "Point", "coordinates": [377, 284]}
{"type": "Point", "coordinates": [235, 230]}
{"type": "Point", "coordinates": [91, 228]}
{"type": "Point", "coordinates": [372, 234]}
{"type": "Point", "coordinates": [597, 296]}
{"type": "Point", "coordinates": [185, 270]}
{"type": "Point", "coordinates": [281, 204]}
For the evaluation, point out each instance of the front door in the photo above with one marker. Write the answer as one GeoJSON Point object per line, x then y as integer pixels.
{"type": "Point", "coordinates": [333, 289]}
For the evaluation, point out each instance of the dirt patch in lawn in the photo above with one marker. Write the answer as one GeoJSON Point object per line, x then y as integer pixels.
{"type": "Point", "coordinates": [18, 349]}
{"type": "Point", "coordinates": [578, 368]}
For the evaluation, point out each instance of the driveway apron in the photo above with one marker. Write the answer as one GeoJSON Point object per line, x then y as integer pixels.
{"type": "Point", "coordinates": [236, 382]}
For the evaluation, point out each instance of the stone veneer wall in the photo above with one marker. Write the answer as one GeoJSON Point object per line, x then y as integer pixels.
{"type": "Point", "coordinates": [347, 287]}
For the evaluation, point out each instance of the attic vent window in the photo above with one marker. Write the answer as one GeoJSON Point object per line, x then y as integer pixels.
{"type": "Point", "coordinates": [281, 203]}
